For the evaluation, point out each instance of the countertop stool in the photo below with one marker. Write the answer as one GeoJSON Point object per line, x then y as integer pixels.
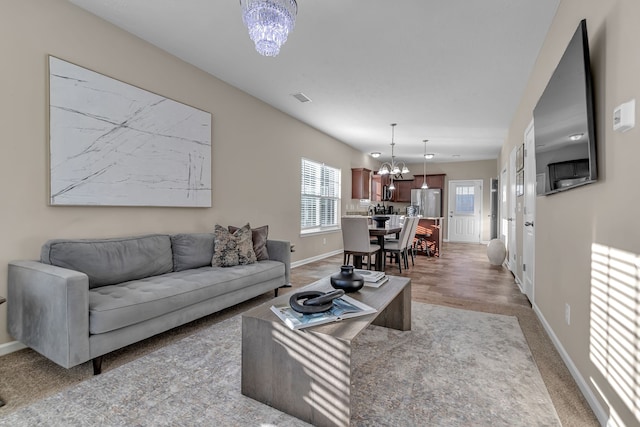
{"type": "Point", "coordinates": [1, 301]}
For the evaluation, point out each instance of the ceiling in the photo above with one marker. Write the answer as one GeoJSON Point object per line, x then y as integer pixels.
{"type": "Point", "coordinates": [451, 71]}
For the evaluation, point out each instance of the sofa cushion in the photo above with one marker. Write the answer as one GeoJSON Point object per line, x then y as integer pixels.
{"type": "Point", "coordinates": [191, 250]}
{"type": "Point", "coordinates": [259, 238]}
{"type": "Point", "coordinates": [117, 306]}
{"type": "Point", "coordinates": [232, 248]}
{"type": "Point", "coordinates": [110, 261]}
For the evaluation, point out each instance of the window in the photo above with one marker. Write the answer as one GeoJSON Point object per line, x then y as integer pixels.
{"type": "Point", "coordinates": [465, 198]}
{"type": "Point", "coordinates": [320, 197]}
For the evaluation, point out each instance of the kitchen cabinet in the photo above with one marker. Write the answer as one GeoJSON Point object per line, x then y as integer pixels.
{"type": "Point", "coordinates": [433, 181]}
{"type": "Point", "coordinates": [402, 193]}
{"type": "Point", "coordinates": [377, 184]}
{"type": "Point", "coordinates": [360, 183]}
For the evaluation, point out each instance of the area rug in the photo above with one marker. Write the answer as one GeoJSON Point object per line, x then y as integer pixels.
{"type": "Point", "coordinates": [454, 368]}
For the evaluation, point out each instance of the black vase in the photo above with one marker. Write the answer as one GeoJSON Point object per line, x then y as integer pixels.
{"type": "Point", "coordinates": [347, 280]}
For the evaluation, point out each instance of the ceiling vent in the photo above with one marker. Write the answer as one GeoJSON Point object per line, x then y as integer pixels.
{"type": "Point", "coordinates": [301, 97]}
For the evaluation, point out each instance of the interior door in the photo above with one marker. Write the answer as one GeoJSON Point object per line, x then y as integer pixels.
{"type": "Point", "coordinates": [528, 243]}
{"type": "Point", "coordinates": [512, 249]}
{"type": "Point", "coordinates": [465, 209]}
{"type": "Point", "coordinates": [504, 207]}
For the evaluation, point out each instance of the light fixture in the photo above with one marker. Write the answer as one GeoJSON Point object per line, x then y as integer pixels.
{"type": "Point", "coordinates": [269, 23]}
{"type": "Point", "coordinates": [429, 156]}
{"type": "Point", "coordinates": [576, 136]}
{"type": "Point", "coordinates": [424, 170]}
{"type": "Point", "coordinates": [393, 167]}
{"type": "Point", "coordinates": [375, 154]}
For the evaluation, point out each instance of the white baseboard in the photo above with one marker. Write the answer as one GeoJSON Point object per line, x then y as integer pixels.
{"type": "Point", "coordinates": [583, 385]}
{"type": "Point", "coordinates": [315, 258]}
{"type": "Point", "coordinates": [519, 283]}
{"type": "Point", "coordinates": [10, 347]}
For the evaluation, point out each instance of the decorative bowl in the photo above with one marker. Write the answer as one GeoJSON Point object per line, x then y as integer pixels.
{"type": "Point", "coordinates": [347, 280]}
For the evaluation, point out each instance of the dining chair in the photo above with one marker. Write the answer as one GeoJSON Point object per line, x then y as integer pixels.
{"type": "Point", "coordinates": [423, 233]}
{"type": "Point", "coordinates": [412, 235]}
{"type": "Point", "coordinates": [398, 248]}
{"type": "Point", "coordinates": [355, 238]}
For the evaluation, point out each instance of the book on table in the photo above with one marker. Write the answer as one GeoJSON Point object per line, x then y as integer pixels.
{"type": "Point", "coordinates": [344, 307]}
{"type": "Point", "coordinates": [372, 278]}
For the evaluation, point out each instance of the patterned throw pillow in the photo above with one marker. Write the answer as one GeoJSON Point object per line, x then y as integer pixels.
{"type": "Point", "coordinates": [233, 248]}
{"type": "Point", "coordinates": [259, 236]}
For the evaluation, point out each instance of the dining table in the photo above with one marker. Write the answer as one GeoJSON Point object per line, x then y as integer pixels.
{"type": "Point", "coordinates": [378, 232]}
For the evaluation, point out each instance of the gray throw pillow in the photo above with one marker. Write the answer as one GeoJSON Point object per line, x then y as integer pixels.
{"type": "Point", "coordinates": [191, 250]}
{"type": "Point", "coordinates": [259, 237]}
{"type": "Point", "coordinates": [111, 261]}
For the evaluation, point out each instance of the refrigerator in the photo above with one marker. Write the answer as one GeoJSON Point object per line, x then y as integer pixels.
{"type": "Point", "coordinates": [427, 202]}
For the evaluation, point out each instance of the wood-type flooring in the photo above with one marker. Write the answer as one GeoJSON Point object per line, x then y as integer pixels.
{"type": "Point", "coordinates": [462, 271]}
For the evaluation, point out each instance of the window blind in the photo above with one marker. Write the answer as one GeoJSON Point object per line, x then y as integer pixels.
{"type": "Point", "coordinates": [320, 196]}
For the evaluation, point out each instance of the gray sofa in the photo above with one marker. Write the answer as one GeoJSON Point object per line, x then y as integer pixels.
{"type": "Point", "coordinates": [88, 297]}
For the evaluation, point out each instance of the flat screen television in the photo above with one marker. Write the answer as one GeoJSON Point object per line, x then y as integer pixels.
{"type": "Point", "coordinates": [564, 123]}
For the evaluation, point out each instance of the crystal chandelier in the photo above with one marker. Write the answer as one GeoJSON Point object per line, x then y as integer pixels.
{"type": "Point", "coordinates": [269, 23]}
{"type": "Point", "coordinates": [393, 167]}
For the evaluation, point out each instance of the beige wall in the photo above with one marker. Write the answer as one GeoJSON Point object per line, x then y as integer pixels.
{"type": "Point", "coordinates": [605, 213]}
{"type": "Point", "coordinates": [482, 169]}
{"type": "Point", "coordinates": [251, 141]}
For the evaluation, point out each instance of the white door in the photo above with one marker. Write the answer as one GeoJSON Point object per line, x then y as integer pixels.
{"type": "Point", "coordinates": [504, 207]}
{"type": "Point", "coordinates": [465, 210]}
{"type": "Point", "coordinates": [528, 243]}
{"type": "Point", "coordinates": [512, 249]}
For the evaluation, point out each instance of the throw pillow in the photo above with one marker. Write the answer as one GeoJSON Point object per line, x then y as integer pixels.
{"type": "Point", "coordinates": [259, 237]}
{"type": "Point", "coordinates": [233, 248]}
{"type": "Point", "coordinates": [191, 250]}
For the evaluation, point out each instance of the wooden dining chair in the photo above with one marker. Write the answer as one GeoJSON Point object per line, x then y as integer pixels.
{"type": "Point", "coordinates": [355, 238]}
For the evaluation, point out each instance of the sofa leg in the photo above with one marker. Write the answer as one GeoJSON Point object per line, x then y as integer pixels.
{"type": "Point", "coordinates": [97, 365]}
{"type": "Point", "coordinates": [275, 291]}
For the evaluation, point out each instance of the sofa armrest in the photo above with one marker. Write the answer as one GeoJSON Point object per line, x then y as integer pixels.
{"type": "Point", "coordinates": [280, 250]}
{"type": "Point", "coordinates": [48, 310]}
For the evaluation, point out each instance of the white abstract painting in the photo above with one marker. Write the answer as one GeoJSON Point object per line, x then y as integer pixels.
{"type": "Point", "coordinates": [113, 144]}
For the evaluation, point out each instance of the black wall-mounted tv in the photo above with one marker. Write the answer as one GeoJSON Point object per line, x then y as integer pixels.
{"type": "Point", "coordinates": [564, 123]}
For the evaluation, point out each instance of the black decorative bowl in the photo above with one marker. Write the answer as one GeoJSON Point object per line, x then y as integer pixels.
{"type": "Point", "coordinates": [347, 280]}
{"type": "Point", "coordinates": [380, 220]}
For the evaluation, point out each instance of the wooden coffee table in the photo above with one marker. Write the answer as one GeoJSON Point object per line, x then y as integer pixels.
{"type": "Point", "coordinates": [307, 373]}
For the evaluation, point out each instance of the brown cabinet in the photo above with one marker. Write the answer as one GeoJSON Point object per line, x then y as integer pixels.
{"type": "Point", "coordinates": [433, 181]}
{"type": "Point", "coordinates": [378, 182]}
{"type": "Point", "coordinates": [360, 183]}
{"type": "Point", "coordinates": [402, 193]}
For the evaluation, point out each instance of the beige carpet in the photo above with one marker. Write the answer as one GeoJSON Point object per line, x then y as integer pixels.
{"type": "Point", "coordinates": [455, 367]}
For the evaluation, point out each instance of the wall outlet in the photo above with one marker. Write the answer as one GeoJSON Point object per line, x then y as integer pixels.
{"type": "Point", "coordinates": [567, 313]}
{"type": "Point", "coordinates": [324, 240]}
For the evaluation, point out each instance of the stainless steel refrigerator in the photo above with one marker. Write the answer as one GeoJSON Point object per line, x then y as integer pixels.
{"type": "Point", "coordinates": [428, 202]}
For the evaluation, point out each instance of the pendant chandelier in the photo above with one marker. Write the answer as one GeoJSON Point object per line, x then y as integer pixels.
{"type": "Point", "coordinates": [424, 173]}
{"type": "Point", "coordinates": [424, 176]}
{"type": "Point", "coordinates": [393, 168]}
{"type": "Point", "coordinates": [269, 23]}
